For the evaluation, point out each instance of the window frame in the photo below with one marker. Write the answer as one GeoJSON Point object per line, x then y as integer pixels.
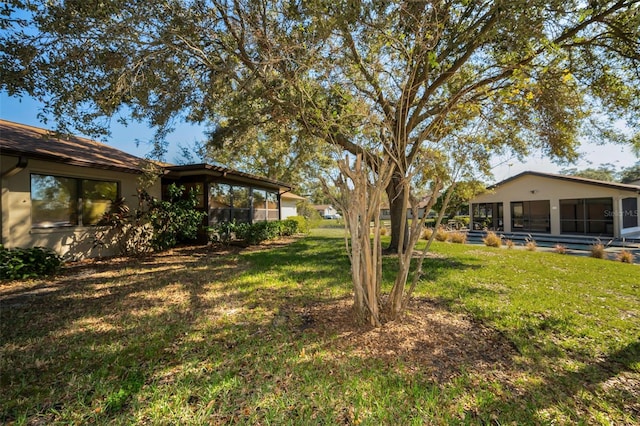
{"type": "Point", "coordinates": [77, 204]}
{"type": "Point", "coordinates": [265, 210]}
{"type": "Point", "coordinates": [528, 219]}
{"type": "Point", "coordinates": [582, 222]}
{"type": "Point", "coordinates": [630, 216]}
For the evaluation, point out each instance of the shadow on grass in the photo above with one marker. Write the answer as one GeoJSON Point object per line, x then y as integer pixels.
{"type": "Point", "coordinates": [199, 338]}
{"type": "Point", "coordinates": [598, 385]}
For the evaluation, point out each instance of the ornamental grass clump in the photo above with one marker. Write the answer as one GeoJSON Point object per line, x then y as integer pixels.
{"type": "Point", "coordinates": [492, 240]}
{"type": "Point", "coordinates": [426, 233]}
{"type": "Point", "coordinates": [442, 235]}
{"type": "Point", "coordinates": [560, 249]}
{"type": "Point", "coordinates": [625, 256]}
{"type": "Point", "coordinates": [509, 243]}
{"type": "Point", "coordinates": [531, 245]}
{"type": "Point", "coordinates": [597, 251]}
{"type": "Point", "coordinates": [458, 237]}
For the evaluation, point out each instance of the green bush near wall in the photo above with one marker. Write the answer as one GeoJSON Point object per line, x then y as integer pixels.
{"type": "Point", "coordinates": [254, 233]}
{"type": "Point", "coordinates": [23, 263]}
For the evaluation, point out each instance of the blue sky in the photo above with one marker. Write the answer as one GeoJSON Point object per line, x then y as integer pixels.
{"type": "Point", "coordinates": [25, 110]}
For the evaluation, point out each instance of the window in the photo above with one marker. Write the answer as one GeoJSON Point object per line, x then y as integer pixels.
{"type": "Point", "coordinates": [259, 204]}
{"type": "Point", "coordinates": [229, 202]}
{"type": "Point", "coordinates": [488, 216]}
{"type": "Point", "coordinates": [220, 203]}
{"type": "Point", "coordinates": [62, 201]}
{"type": "Point", "coordinates": [629, 212]}
{"type": "Point", "coordinates": [587, 216]}
{"type": "Point", "coordinates": [96, 199]}
{"type": "Point", "coordinates": [272, 206]}
{"type": "Point", "coordinates": [531, 216]}
{"type": "Point", "coordinates": [241, 203]}
{"type": "Point", "coordinates": [53, 201]}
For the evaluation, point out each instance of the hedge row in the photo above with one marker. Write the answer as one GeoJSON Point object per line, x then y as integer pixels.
{"type": "Point", "coordinates": [257, 232]}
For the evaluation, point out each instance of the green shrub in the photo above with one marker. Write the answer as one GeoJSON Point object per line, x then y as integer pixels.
{"type": "Point", "coordinates": [258, 232]}
{"type": "Point", "coordinates": [176, 219]}
{"type": "Point", "coordinates": [462, 219]}
{"type": "Point", "coordinates": [157, 224]}
{"type": "Point", "coordinates": [492, 239]}
{"type": "Point", "coordinates": [254, 233]}
{"type": "Point", "coordinates": [302, 224]}
{"type": "Point", "coordinates": [21, 263]}
{"type": "Point", "coordinates": [290, 227]}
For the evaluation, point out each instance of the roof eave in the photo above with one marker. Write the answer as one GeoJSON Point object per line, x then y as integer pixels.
{"type": "Point", "coordinates": [574, 179]}
{"type": "Point", "coordinates": [69, 161]}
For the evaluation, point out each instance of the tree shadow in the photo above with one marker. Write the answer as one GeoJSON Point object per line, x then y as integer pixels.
{"type": "Point", "coordinates": [614, 378]}
{"type": "Point", "coordinates": [200, 324]}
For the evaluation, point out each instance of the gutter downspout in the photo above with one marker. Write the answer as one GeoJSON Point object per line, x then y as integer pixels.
{"type": "Point", "coordinates": [20, 166]}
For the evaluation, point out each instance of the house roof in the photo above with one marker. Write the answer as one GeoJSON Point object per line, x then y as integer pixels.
{"type": "Point", "coordinates": [32, 142]}
{"type": "Point", "coordinates": [322, 206]}
{"type": "Point", "coordinates": [292, 196]}
{"type": "Point", "coordinates": [219, 171]}
{"type": "Point", "coordinates": [575, 179]}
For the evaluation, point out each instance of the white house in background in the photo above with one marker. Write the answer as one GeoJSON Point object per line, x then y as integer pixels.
{"type": "Point", "coordinates": [327, 211]}
{"type": "Point", "coordinates": [534, 202]}
{"type": "Point", "coordinates": [288, 204]}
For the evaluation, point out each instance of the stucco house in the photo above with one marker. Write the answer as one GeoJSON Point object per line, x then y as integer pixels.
{"type": "Point", "coordinates": [55, 189]}
{"type": "Point", "coordinates": [327, 211]}
{"type": "Point", "coordinates": [289, 204]}
{"type": "Point", "coordinates": [534, 202]}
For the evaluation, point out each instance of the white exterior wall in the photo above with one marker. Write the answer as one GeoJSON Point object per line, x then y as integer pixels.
{"type": "Point", "coordinates": [71, 241]}
{"type": "Point", "coordinates": [536, 188]}
{"type": "Point", "coordinates": [287, 208]}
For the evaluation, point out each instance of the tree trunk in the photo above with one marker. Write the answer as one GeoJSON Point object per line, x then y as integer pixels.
{"type": "Point", "coordinates": [395, 193]}
{"type": "Point", "coordinates": [360, 197]}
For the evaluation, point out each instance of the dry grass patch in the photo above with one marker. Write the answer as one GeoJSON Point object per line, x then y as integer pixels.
{"type": "Point", "coordinates": [427, 233]}
{"type": "Point", "coordinates": [598, 251]}
{"type": "Point", "coordinates": [560, 249]}
{"type": "Point", "coordinates": [442, 235]}
{"type": "Point", "coordinates": [492, 239]}
{"type": "Point", "coordinates": [458, 237]}
{"type": "Point", "coordinates": [531, 245]}
{"type": "Point", "coordinates": [625, 256]}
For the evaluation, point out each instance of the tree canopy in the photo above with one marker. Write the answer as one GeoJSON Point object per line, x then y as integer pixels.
{"type": "Point", "coordinates": [607, 172]}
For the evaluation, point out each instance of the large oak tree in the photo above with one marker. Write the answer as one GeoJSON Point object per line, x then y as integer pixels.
{"type": "Point", "coordinates": [389, 82]}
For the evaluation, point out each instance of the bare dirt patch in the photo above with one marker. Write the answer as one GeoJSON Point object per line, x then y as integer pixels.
{"type": "Point", "coordinates": [428, 338]}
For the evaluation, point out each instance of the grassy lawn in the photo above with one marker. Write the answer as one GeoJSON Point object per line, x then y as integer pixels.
{"type": "Point", "coordinates": [192, 336]}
